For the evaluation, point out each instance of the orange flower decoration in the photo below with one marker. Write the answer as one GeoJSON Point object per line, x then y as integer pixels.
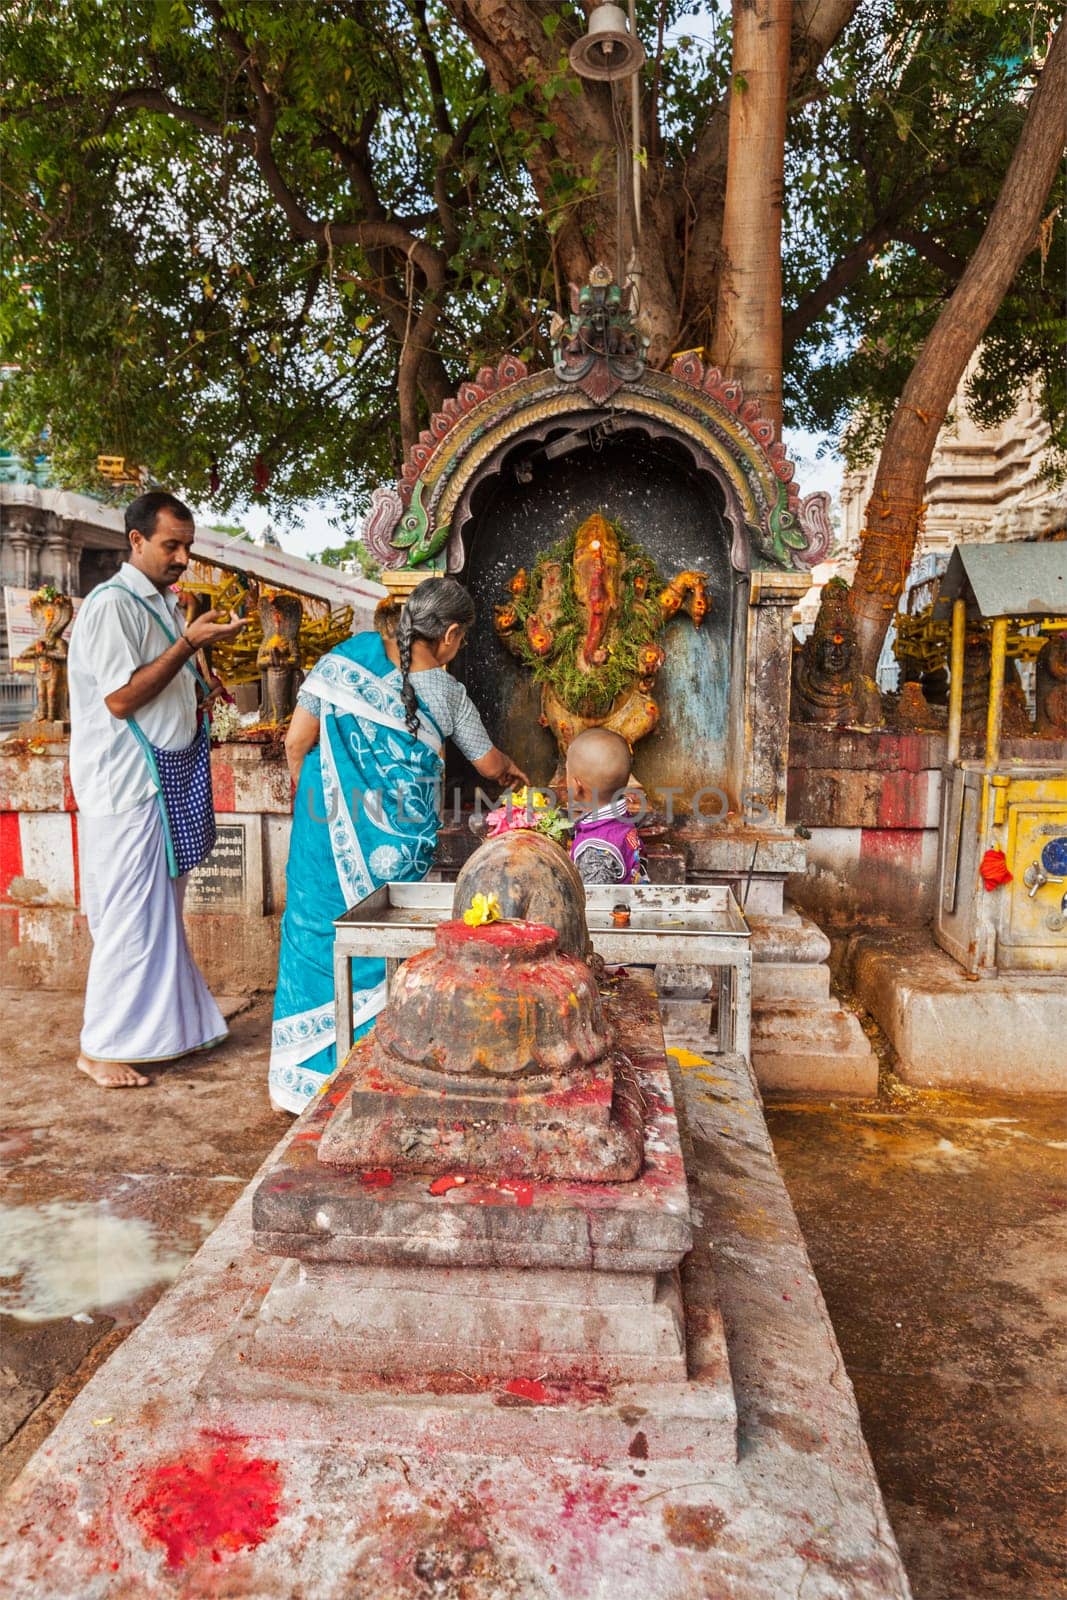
{"type": "Point", "coordinates": [518, 582]}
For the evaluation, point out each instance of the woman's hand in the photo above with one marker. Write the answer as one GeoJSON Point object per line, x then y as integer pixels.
{"type": "Point", "coordinates": [499, 768]}
{"type": "Point", "coordinates": [303, 736]}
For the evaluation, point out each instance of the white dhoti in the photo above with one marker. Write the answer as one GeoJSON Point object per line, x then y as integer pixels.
{"type": "Point", "coordinates": [145, 999]}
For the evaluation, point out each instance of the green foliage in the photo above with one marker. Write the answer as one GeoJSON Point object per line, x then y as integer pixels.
{"type": "Point", "coordinates": [169, 294]}
{"type": "Point", "coordinates": [913, 125]}
{"type": "Point", "coordinates": [352, 550]}
{"type": "Point", "coordinates": [154, 295]}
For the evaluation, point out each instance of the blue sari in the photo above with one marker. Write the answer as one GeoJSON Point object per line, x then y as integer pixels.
{"type": "Point", "coordinates": [365, 813]}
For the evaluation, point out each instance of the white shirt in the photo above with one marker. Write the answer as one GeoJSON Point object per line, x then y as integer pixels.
{"type": "Point", "coordinates": [112, 636]}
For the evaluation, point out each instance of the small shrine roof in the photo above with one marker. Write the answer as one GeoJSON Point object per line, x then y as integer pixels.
{"type": "Point", "coordinates": [1017, 579]}
{"type": "Point", "coordinates": [284, 571]}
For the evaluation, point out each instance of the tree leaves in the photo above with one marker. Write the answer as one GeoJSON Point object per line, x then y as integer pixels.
{"type": "Point", "coordinates": [169, 296]}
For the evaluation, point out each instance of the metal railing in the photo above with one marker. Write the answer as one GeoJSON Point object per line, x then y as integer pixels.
{"type": "Point", "coordinates": [17, 699]}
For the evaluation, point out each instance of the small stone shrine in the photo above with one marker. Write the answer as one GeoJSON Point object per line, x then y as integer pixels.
{"type": "Point", "coordinates": [494, 1183]}
{"type": "Point", "coordinates": [52, 612]}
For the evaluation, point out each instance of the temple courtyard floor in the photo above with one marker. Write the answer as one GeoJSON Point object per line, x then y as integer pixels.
{"type": "Point", "coordinates": [934, 1222]}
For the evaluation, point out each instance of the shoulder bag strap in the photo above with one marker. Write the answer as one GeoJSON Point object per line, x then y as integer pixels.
{"type": "Point", "coordinates": [201, 681]}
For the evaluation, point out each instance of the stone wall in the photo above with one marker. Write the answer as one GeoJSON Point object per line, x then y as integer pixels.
{"type": "Point", "coordinates": [870, 801]}
{"type": "Point", "coordinates": [233, 903]}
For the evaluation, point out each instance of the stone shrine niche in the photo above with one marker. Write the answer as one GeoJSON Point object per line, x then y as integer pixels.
{"type": "Point", "coordinates": [650, 487]}
{"type": "Point", "coordinates": [689, 470]}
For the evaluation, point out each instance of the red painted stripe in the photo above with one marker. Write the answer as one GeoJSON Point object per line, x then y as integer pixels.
{"type": "Point", "coordinates": [223, 786]}
{"type": "Point", "coordinates": [10, 851]}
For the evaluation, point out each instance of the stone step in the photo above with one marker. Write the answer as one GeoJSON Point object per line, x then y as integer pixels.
{"type": "Point", "coordinates": [804, 1048]}
{"type": "Point", "coordinates": [779, 939]}
{"type": "Point", "coordinates": [789, 980]}
{"type": "Point", "coordinates": [813, 1022]}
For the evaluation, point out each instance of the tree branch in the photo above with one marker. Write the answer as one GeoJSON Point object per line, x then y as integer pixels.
{"type": "Point", "coordinates": [840, 276]}
{"type": "Point", "coordinates": [936, 253]}
{"type": "Point", "coordinates": [442, 120]}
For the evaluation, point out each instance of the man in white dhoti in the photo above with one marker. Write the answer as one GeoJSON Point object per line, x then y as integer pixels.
{"type": "Point", "coordinates": [140, 771]}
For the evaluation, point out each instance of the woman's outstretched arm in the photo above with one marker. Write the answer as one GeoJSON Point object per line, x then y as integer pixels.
{"type": "Point", "coordinates": [499, 768]}
{"type": "Point", "coordinates": [303, 736]}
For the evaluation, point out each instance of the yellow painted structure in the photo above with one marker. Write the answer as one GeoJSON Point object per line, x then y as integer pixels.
{"type": "Point", "coordinates": [1011, 805]}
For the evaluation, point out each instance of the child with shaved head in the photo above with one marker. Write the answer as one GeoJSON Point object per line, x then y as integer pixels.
{"type": "Point", "coordinates": [606, 847]}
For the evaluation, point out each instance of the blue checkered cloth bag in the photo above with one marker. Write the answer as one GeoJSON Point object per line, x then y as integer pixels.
{"type": "Point", "coordinates": [185, 790]}
{"type": "Point", "coordinates": [183, 777]}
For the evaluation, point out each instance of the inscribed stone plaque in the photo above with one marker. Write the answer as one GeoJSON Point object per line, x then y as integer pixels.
{"type": "Point", "coordinates": [231, 879]}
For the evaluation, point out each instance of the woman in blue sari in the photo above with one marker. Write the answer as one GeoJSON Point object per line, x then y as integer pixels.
{"type": "Point", "coordinates": [365, 749]}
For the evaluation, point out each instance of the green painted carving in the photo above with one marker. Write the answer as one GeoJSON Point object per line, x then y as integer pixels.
{"type": "Point", "coordinates": [414, 534]}
{"type": "Point", "coordinates": [786, 533]}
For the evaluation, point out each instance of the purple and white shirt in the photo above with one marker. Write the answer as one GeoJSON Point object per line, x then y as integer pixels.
{"type": "Point", "coordinates": [606, 847]}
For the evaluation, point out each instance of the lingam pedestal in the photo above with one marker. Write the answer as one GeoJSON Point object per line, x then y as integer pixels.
{"type": "Point", "coordinates": [492, 1192]}
{"type": "Point", "coordinates": [491, 1185]}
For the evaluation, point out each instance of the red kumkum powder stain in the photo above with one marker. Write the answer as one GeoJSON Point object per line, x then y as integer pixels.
{"type": "Point", "coordinates": [527, 1389]}
{"type": "Point", "coordinates": [218, 1500]}
{"type": "Point", "coordinates": [380, 1178]}
{"type": "Point", "coordinates": [442, 1185]}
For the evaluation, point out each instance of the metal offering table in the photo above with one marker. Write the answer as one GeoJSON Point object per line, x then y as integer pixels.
{"type": "Point", "coordinates": [699, 925]}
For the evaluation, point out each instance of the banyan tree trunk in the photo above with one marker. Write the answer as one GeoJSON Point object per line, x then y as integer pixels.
{"type": "Point", "coordinates": [895, 506]}
{"type": "Point", "coordinates": [748, 324]}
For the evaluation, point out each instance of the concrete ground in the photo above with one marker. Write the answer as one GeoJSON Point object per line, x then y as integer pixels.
{"type": "Point", "coordinates": [936, 1225]}
{"type": "Point", "coordinates": [105, 1194]}
{"type": "Point", "coordinates": [932, 1221]}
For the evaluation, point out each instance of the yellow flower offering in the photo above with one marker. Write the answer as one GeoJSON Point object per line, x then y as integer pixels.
{"type": "Point", "coordinates": [536, 799]}
{"type": "Point", "coordinates": [483, 908]}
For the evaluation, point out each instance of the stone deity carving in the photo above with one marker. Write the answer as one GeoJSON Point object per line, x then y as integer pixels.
{"type": "Point", "coordinates": [586, 620]}
{"type": "Point", "coordinates": [278, 658]}
{"type": "Point", "coordinates": [828, 685]}
{"type": "Point", "coordinates": [1050, 686]}
{"type": "Point", "coordinates": [52, 612]}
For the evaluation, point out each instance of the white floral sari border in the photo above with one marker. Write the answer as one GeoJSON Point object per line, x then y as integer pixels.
{"type": "Point", "coordinates": [353, 873]}
{"type": "Point", "coordinates": [350, 688]}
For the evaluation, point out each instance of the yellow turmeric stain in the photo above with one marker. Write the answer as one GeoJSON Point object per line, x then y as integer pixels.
{"type": "Point", "coordinates": [687, 1058]}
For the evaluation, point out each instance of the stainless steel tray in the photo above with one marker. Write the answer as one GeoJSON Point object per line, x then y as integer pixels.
{"type": "Point", "coordinates": [686, 924]}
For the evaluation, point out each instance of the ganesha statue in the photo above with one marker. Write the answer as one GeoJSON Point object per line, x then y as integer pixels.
{"type": "Point", "coordinates": [586, 620]}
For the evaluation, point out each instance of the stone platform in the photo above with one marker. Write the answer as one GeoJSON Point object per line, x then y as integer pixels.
{"type": "Point", "coordinates": [805, 1043]}
{"type": "Point", "coordinates": [318, 1212]}
{"type": "Point", "coordinates": [1005, 1033]}
{"type": "Point", "coordinates": [405, 1274]}
{"type": "Point", "coordinates": [158, 1484]}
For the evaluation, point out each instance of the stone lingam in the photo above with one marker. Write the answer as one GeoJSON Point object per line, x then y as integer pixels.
{"type": "Point", "coordinates": [493, 1183]}
{"type": "Point", "coordinates": [494, 1053]}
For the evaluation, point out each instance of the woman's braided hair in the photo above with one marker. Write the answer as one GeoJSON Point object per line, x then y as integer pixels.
{"type": "Point", "coordinates": [431, 610]}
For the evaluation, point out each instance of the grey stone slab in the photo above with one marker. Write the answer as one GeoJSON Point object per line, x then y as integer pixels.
{"type": "Point", "coordinates": [336, 1324]}
{"type": "Point", "coordinates": [549, 1283]}
{"type": "Point", "coordinates": [307, 1209]}
{"type": "Point", "coordinates": [1004, 1033]}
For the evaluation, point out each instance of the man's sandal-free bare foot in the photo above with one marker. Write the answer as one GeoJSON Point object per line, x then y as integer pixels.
{"type": "Point", "coordinates": [111, 1074]}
